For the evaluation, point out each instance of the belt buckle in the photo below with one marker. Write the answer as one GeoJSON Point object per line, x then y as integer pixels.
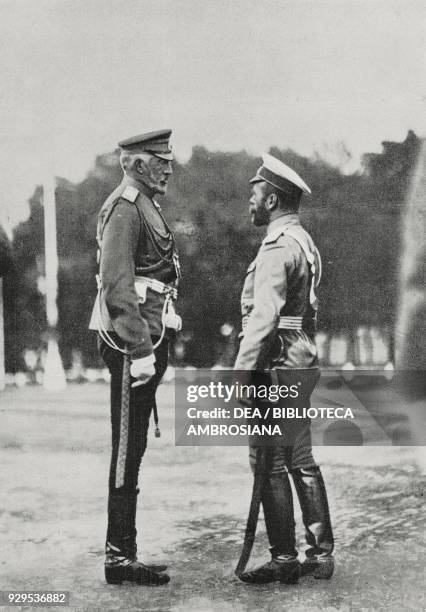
{"type": "Point", "coordinates": [170, 291]}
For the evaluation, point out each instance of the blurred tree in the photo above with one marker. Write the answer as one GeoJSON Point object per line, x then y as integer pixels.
{"type": "Point", "coordinates": [24, 309]}
{"type": "Point", "coordinates": [6, 258]}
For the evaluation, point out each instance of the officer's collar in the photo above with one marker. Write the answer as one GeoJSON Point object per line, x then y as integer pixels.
{"type": "Point", "coordinates": [141, 187]}
{"type": "Point", "coordinates": [284, 219]}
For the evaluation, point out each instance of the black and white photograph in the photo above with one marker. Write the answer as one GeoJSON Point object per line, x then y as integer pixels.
{"type": "Point", "coordinates": [212, 305]}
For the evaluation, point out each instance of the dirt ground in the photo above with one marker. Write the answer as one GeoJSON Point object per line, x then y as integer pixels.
{"type": "Point", "coordinates": [54, 454]}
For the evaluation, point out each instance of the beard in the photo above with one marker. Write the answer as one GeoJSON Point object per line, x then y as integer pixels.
{"type": "Point", "coordinates": [260, 216]}
{"type": "Point", "coordinates": [154, 183]}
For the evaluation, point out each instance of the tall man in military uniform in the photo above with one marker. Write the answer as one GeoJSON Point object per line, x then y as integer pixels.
{"type": "Point", "coordinates": [279, 308]}
{"type": "Point", "coordinates": [134, 316]}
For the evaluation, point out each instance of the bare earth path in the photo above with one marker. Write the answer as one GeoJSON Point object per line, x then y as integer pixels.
{"type": "Point", "coordinates": [54, 453]}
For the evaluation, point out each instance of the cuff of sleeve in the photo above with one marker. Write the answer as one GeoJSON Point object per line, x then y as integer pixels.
{"type": "Point", "coordinates": [144, 361]}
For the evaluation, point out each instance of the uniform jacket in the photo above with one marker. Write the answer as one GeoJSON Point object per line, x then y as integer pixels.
{"type": "Point", "coordinates": [134, 241]}
{"type": "Point", "coordinates": [277, 284]}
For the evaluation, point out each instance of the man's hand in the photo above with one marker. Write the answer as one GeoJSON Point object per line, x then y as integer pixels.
{"type": "Point", "coordinates": [142, 369]}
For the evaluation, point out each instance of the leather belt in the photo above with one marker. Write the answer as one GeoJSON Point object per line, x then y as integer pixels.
{"type": "Point", "coordinates": [289, 322]}
{"type": "Point", "coordinates": [142, 283]}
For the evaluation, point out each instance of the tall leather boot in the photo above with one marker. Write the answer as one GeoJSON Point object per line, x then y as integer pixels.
{"type": "Point", "coordinates": [121, 552]}
{"type": "Point", "coordinates": [277, 502]}
{"type": "Point", "coordinates": [312, 496]}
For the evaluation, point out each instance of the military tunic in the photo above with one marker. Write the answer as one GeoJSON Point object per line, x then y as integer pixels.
{"type": "Point", "coordinates": [135, 241]}
{"type": "Point", "coordinates": [278, 284]}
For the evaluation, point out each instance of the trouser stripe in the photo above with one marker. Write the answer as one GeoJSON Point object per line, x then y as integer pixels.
{"type": "Point", "coordinates": [124, 423]}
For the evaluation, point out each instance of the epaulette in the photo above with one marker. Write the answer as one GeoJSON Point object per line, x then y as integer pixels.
{"type": "Point", "coordinates": [130, 194]}
{"type": "Point", "coordinates": [273, 236]}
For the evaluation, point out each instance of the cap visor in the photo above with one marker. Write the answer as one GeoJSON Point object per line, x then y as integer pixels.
{"type": "Point", "coordinates": [256, 179]}
{"type": "Point", "coordinates": [166, 156]}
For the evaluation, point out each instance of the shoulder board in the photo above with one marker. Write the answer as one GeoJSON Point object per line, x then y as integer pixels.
{"type": "Point", "coordinates": [298, 233]}
{"type": "Point", "coordinates": [130, 194]}
{"type": "Point", "coordinates": [273, 236]}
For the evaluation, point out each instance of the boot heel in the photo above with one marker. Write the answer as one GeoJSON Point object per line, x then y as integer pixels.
{"type": "Point", "coordinates": [114, 575]}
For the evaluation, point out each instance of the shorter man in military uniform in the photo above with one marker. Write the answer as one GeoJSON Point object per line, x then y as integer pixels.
{"type": "Point", "coordinates": [279, 309]}
{"type": "Point", "coordinates": [134, 316]}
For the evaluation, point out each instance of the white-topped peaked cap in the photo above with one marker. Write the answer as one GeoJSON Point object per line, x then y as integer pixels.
{"type": "Point", "coordinates": [278, 174]}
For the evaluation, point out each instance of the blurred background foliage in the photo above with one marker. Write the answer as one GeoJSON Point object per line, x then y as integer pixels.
{"type": "Point", "coordinates": [355, 220]}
